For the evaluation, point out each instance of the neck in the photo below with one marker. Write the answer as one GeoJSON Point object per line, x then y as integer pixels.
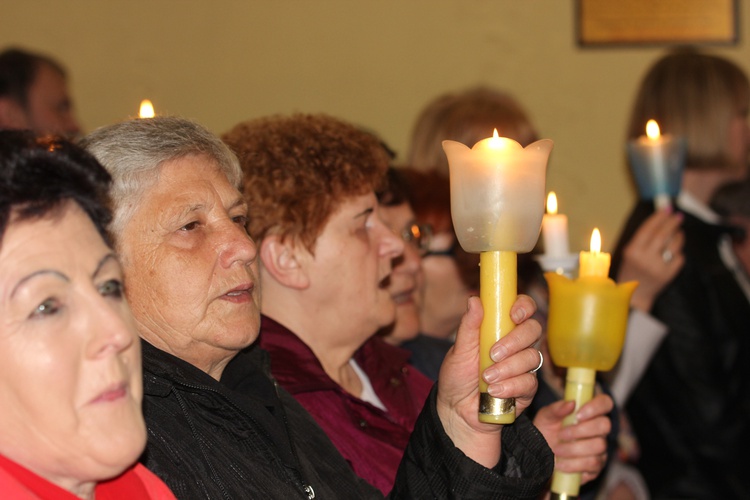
{"type": "Point", "coordinates": [209, 359]}
{"type": "Point", "coordinates": [331, 339]}
{"type": "Point", "coordinates": [702, 184]}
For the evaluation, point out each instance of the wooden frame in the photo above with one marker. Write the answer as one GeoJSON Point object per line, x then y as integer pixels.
{"type": "Point", "coordinates": [655, 22]}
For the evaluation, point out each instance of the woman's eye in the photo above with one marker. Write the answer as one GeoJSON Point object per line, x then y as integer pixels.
{"type": "Point", "coordinates": [112, 288]}
{"type": "Point", "coordinates": [47, 308]}
{"type": "Point", "coordinates": [240, 220]}
{"type": "Point", "coordinates": [189, 226]}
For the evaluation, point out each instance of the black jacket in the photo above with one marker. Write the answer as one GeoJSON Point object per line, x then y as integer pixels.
{"type": "Point", "coordinates": [689, 411]}
{"type": "Point", "coordinates": [207, 441]}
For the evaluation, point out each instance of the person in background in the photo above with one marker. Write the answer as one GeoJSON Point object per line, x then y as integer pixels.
{"type": "Point", "coordinates": [583, 454]}
{"type": "Point", "coordinates": [70, 360]}
{"type": "Point", "coordinates": [34, 95]}
{"type": "Point", "coordinates": [732, 202]}
{"type": "Point", "coordinates": [470, 116]}
{"type": "Point", "coordinates": [192, 274]}
{"type": "Point", "coordinates": [687, 410]}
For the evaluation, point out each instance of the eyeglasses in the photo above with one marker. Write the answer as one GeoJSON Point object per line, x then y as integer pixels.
{"type": "Point", "coordinates": [418, 235]}
{"type": "Point", "coordinates": [448, 252]}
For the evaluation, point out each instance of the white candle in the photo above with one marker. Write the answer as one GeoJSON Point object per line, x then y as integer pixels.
{"type": "Point", "coordinates": [555, 230]}
{"type": "Point", "coordinates": [146, 110]}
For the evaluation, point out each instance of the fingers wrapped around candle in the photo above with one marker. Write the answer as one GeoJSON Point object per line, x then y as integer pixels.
{"type": "Point", "coordinates": [580, 447]}
{"type": "Point", "coordinates": [653, 257]}
{"type": "Point", "coordinates": [515, 358]}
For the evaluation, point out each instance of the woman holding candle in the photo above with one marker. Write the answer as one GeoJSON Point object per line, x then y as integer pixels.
{"type": "Point", "coordinates": [686, 411]}
{"type": "Point", "coordinates": [326, 265]}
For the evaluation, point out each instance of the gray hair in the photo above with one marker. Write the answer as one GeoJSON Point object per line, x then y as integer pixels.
{"type": "Point", "coordinates": [133, 152]}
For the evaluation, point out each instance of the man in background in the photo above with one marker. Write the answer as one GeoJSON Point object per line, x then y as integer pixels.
{"type": "Point", "coordinates": [34, 94]}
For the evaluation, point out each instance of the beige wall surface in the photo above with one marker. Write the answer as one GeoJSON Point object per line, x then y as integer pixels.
{"type": "Point", "coordinates": [375, 63]}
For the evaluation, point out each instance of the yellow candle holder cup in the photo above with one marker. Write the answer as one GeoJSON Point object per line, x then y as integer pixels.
{"type": "Point", "coordinates": [497, 204]}
{"type": "Point", "coordinates": [586, 328]}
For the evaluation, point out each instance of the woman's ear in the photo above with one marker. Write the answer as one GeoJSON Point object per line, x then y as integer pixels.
{"type": "Point", "coordinates": [283, 260]}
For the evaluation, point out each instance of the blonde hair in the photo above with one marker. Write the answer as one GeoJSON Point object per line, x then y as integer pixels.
{"type": "Point", "coordinates": [466, 117]}
{"type": "Point", "coordinates": [696, 96]}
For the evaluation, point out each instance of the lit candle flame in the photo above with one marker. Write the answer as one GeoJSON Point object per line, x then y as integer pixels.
{"type": "Point", "coordinates": [652, 129]}
{"type": "Point", "coordinates": [596, 241]}
{"type": "Point", "coordinates": [147, 109]}
{"type": "Point", "coordinates": [551, 203]}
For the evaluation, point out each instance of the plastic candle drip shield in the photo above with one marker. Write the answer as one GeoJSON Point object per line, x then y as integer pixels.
{"type": "Point", "coordinates": [497, 200]}
{"type": "Point", "coordinates": [587, 320]}
{"type": "Point", "coordinates": [657, 168]}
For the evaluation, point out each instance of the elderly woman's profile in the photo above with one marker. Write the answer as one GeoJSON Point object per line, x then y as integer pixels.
{"type": "Point", "coordinates": [70, 359]}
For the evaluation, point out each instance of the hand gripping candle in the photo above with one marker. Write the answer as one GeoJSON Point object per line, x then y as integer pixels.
{"type": "Point", "coordinates": [497, 203]}
{"type": "Point", "coordinates": [586, 328]}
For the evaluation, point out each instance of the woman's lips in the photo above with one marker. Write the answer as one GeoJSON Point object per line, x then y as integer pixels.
{"type": "Point", "coordinates": [406, 297]}
{"type": "Point", "coordinates": [240, 294]}
{"type": "Point", "coordinates": [113, 393]}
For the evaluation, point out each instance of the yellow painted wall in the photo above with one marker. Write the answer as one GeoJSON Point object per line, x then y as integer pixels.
{"type": "Point", "coordinates": [373, 62]}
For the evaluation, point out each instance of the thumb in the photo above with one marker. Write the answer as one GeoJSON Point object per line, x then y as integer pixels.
{"type": "Point", "coordinates": [467, 337]}
{"type": "Point", "coordinates": [558, 410]}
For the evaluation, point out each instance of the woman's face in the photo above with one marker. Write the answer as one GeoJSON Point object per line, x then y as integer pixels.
{"type": "Point", "coordinates": [351, 266]}
{"type": "Point", "coordinates": [70, 397]}
{"type": "Point", "coordinates": [405, 284]}
{"type": "Point", "coordinates": [191, 266]}
{"type": "Point", "coordinates": [445, 293]}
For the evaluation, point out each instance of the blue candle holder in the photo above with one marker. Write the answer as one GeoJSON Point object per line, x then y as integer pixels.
{"type": "Point", "coordinates": [657, 165]}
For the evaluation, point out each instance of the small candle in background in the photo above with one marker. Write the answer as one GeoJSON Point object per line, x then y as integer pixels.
{"type": "Point", "coordinates": [555, 230]}
{"type": "Point", "coordinates": [146, 110]}
{"type": "Point", "coordinates": [657, 161]}
{"type": "Point", "coordinates": [594, 263]}
{"type": "Point", "coordinates": [661, 198]}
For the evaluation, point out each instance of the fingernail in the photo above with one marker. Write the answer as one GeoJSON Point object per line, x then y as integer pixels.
{"type": "Point", "coordinates": [495, 390]}
{"type": "Point", "coordinates": [490, 375]}
{"type": "Point", "coordinates": [518, 315]}
{"type": "Point", "coordinates": [498, 353]}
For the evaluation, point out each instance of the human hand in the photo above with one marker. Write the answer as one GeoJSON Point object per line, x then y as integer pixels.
{"type": "Point", "coordinates": [508, 377]}
{"type": "Point", "coordinates": [653, 257]}
{"type": "Point", "coordinates": [581, 447]}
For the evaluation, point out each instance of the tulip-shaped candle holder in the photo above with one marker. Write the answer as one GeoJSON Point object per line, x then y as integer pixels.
{"type": "Point", "coordinates": [497, 203]}
{"type": "Point", "coordinates": [657, 162]}
{"type": "Point", "coordinates": [586, 328]}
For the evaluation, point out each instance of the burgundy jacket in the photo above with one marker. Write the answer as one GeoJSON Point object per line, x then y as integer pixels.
{"type": "Point", "coordinates": [371, 440]}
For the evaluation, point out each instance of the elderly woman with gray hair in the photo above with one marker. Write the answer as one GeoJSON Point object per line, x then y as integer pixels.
{"type": "Point", "coordinates": [192, 275]}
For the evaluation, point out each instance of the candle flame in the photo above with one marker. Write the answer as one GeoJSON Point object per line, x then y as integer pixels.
{"type": "Point", "coordinates": [652, 129]}
{"type": "Point", "coordinates": [596, 241]}
{"type": "Point", "coordinates": [147, 109]}
{"type": "Point", "coordinates": [494, 134]}
{"type": "Point", "coordinates": [551, 203]}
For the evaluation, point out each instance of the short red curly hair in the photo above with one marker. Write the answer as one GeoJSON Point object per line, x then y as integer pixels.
{"type": "Point", "coordinates": [298, 170]}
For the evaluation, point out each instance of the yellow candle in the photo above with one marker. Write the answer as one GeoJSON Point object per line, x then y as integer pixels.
{"type": "Point", "coordinates": [497, 291]}
{"type": "Point", "coordinates": [146, 110]}
{"type": "Point", "coordinates": [585, 331]}
{"type": "Point", "coordinates": [595, 262]}
{"type": "Point", "coordinates": [554, 229]}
